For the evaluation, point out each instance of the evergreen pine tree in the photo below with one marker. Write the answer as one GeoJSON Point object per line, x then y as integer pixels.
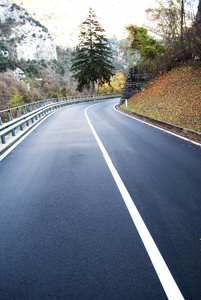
{"type": "Point", "coordinates": [92, 61]}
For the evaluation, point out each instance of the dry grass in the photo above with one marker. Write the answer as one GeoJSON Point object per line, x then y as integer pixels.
{"type": "Point", "coordinates": [174, 97]}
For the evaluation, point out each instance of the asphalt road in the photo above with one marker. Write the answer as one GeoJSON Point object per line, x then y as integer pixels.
{"type": "Point", "coordinates": [65, 230]}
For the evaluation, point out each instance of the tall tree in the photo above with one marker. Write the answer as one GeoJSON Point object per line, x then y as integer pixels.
{"type": "Point", "coordinates": [92, 60]}
{"type": "Point", "coordinates": [198, 16]}
{"type": "Point", "coordinates": [169, 18]}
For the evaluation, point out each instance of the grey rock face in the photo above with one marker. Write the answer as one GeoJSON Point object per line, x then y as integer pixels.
{"type": "Point", "coordinates": [30, 40]}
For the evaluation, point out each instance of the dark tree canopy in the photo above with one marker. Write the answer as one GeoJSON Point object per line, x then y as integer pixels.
{"type": "Point", "coordinates": [92, 60]}
{"type": "Point", "coordinates": [199, 12]}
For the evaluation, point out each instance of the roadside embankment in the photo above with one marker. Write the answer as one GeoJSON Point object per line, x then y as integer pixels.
{"type": "Point", "coordinates": [173, 99]}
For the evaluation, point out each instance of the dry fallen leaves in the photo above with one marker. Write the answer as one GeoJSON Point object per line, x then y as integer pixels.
{"type": "Point", "coordinates": [174, 97]}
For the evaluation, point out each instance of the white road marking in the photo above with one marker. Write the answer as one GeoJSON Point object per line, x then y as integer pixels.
{"type": "Point", "coordinates": [2, 156]}
{"type": "Point", "coordinates": [157, 127]}
{"type": "Point", "coordinates": [169, 285]}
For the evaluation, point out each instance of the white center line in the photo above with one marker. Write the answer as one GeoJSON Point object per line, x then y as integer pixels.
{"type": "Point", "coordinates": [169, 285]}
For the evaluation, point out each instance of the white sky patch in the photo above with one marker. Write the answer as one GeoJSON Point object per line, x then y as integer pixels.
{"type": "Point", "coordinates": [63, 17]}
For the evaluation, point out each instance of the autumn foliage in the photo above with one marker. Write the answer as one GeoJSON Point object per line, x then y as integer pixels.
{"type": "Point", "coordinates": [174, 97]}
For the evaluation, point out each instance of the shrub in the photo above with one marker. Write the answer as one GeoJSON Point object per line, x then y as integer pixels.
{"type": "Point", "coordinates": [54, 95]}
{"type": "Point", "coordinates": [32, 70]}
{"type": "Point", "coordinates": [3, 47]}
{"type": "Point", "coordinates": [15, 100]}
{"type": "Point", "coordinates": [15, 6]}
{"type": "Point", "coordinates": [4, 64]}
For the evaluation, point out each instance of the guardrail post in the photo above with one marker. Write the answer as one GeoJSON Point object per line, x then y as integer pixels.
{"type": "Point", "coordinates": [49, 103]}
{"type": "Point", "coordinates": [40, 104]}
{"type": "Point", "coordinates": [19, 115]}
{"type": "Point", "coordinates": [54, 101]}
{"type": "Point", "coordinates": [44, 104]}
{"type": "Point", "coordinates": [25, 111]}
{"type": "Point", "coordinates": [3, 135]}
{"type": "Point", "coordinates": [47, 108]}
{"type": "Point", "coordinates": [36, 117]}
{"type": "Point", "coordinates": [3, 140]}
{"type": "Point", "coordinates": [50, 106]}
{"type": "Point", "coordinates": [11, 118]}
{"type": "Point", "coordinates": [30, 108]}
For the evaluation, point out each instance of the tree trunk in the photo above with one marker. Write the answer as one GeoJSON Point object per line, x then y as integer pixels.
{"type": "Point", "coordinates": [182, 22]}
{"type": "Point", "coordinates": [182, 27]}
{"type": "Point", "coordinates": [93, 87]}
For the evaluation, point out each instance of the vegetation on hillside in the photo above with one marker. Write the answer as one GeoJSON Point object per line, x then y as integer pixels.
{"type": "Point", "coordinates": [44, 79]}
{"type": "Point", "coordinates": [173, 94]}
{"type": "Point", "coordinates": [178, 41]}
{"type": "Point", "coordinates": [174, 97]}
{"type": "Point", "coordinates": [47, 79]}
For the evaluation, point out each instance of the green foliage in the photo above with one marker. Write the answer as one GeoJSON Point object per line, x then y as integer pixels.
{"type": "Point", "coordinates": [37, 23]}
{"type": "Point", "coordinates": [64, 92]}
{"type": "Point", "coordinates": [92, 59]}
{"type": "Point", "coordinates": [43, 63]}
{"type": "Point", "coordinates": [4, 64]}
{"type": "Point", "coordinates": [63, 63]}
{"type": "Point", "coordinates": [62, 70]}
{"type": "Point", "coordinates": [12, 64]}
{"type": "Point", "coordinates": [139, 40]}
{"type": "Point", "coordinates": [15, 100]}
{"type": "Point", "coordinates": [169, 21]}
{"type": "Point", "coordinates": [15, 6]}
{"type": "Point", "coordinates": [179, 43]}
{"type": "Point", "coordinates": [5, 28]}
{"type": "Point", "coordinates": [3, 47]}
{"type": "Point", "coordinates": [32, 70]}
{"type": "Point", "coordinates": [54, 95]}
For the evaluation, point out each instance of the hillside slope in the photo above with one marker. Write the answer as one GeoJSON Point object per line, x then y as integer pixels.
{"type": "Point", "coordinates": [174, 97]}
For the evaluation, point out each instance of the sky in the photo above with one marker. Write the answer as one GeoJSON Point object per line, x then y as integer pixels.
{"type": "Point", "coordinates": [63, 17]}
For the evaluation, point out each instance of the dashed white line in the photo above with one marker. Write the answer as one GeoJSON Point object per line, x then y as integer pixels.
{"type": "Point", "coordinates": [169, 285]}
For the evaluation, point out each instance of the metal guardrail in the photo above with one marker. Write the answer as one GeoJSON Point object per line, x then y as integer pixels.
{"type": "Point", "coordinates": [21, 116]}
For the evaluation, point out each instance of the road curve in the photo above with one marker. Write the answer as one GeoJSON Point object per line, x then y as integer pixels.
{"type": "Point", "coordinates": [65, 230]}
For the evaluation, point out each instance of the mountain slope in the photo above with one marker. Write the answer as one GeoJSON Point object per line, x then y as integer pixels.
{"type": "Point", "coordinates": [174, 97]}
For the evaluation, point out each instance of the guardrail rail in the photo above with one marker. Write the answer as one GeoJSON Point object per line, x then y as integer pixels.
{"type": "Point", "coordinates": [21, 116]}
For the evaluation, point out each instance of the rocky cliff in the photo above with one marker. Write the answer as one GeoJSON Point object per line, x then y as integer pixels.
{"type": "Point", "coordinates": [24, 37]}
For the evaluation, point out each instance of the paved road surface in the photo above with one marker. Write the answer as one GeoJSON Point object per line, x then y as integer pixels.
{"type": "Point", "coordinates": [65, 230]}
